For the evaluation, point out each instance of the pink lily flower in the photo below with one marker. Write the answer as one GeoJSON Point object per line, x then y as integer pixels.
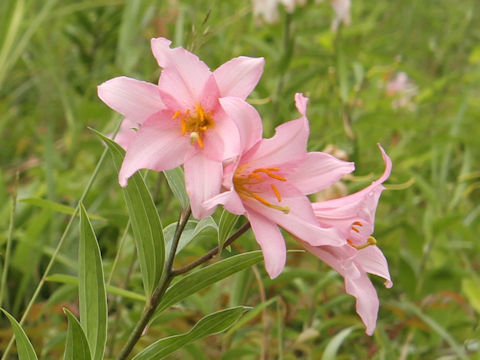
{"type": "Point", "coordinates": [269, 182]}
{"type": "Point", "coordinates": [181, 120]}
{"type": "Point", "coordinates": [354, 217]}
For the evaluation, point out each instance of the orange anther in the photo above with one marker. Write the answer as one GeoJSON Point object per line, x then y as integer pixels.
{"type": "Point", "coordinates": [184, 126]}
{"type": "Point", "coordinates": [276, 192]}
{"type": "Point", "coordinates": [177, 114]}
{"type": "Point", "coordinates": [200, 142]}
{"type": "Point", "coordinates": [357, 223]}
{"type": "Point", "coordinates": [355, 229]}
{"type": "Point", "coordinates": [275, 176]}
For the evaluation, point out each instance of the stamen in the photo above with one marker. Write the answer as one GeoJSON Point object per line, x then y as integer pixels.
{"type": "Point", "coordinates": [200, 142]}
{"type": "Point", "coordinates": [284, 209]}
{"type": "Point", "coordinates": [355, 229]}
{"type": "Point", "coordinates": [177, 114]}
{"type": "Point", "coordinates": [275, 176]}
{"type": "Point", "coordinates": [255, 176]}
{"type": "Point", "coordinates": [184, 126]}
{"type": "Point", "coordinates": [276, 192]}
{"type": "Point", "coordinates": [357, 223]}
{"type": "Point", "coordinates": [201, 113]}
{"type": "Point", "coordinates": [269, 173]}
{"type": "Point", "coordinates": [370, 241]}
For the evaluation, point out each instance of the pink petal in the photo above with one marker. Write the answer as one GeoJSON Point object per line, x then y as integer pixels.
{"type": "Point", "coordinates": [184, 76]}
{"type": "Point", "coordinates": [157, 146]}
{"type": "Point", "coordinates": [126, 133]}
{"type": "Point", "coordinates": [301, 104]}
{"type": "Point", "coordinates": [363, 202]}
{"type": "Point", "coordinates": [357, 283]}
{"type": "Point", "coordinates": [367, 303]}
{"type": "Point", "coordinates": [222, 141]}
{"type": "Point", "coordinates": [300, 221]}
{"type": "Point", "coordinates": [239, 76]}
{"type": "Point", "coordinates": [209, 95]}
{"type": "Point", "coordinates": [134, 99]}
{"type": "Point", "coordinates": [229, 199]}
{"type": "Point", "coordinates": [270, 239]}
{"type": "Point", "coordinates": [203, 179]}
{"type": "Point", "coordinates": [287, 145]}
{"type": "Point", "coordinates": [372, 260]}
{"type": "Point", "coordinates": [318, 171]}
{"type": "Point", "coordinates": [246, 118]}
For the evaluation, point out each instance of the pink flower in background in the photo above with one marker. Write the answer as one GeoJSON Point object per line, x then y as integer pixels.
{"type": "Point", "coordinates": [354, 217]}
{"type": "Point", "coordinates": [342, 13]}
{"type": "Point", "coordinates": [269, 182]}
{"type": "Point", "coordinates": [181, 120]}
{"type": "Point", "coordinates": [403, 89]}
{"type": "Point", "coordinates": [268, 9]}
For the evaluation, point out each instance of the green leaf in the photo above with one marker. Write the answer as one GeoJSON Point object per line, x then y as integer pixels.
{"type": "Point", "coordinates": [68, 279]}
{"type": "Point", "coordinates": [209, 325]}
{"type": "Point", "coordinates": [251, 315]}
{"type": "Point", "coordinates": [334, 344]}
{"type": "Point", "coordinates": [194, 230]}
{"type": "Point", "coordinates": [225, 226]}
{"type": "Point", "coordinates": [176, 181]}
{"type": "Point", "coordinates": [206, 276]}
{"type": "Point", "coordinates": [54, 206]}
{"type": "Point", "coordinates": [77, 346]}
{"type": "Point", "coordinates": [91, 288]}
{"type": "Point", "coordinates": [24, 346]}
{"type": "Point", "coordinates": [146, 225]}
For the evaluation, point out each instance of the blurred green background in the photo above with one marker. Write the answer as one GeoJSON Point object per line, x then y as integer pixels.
{"type": "Point", "coordinates": [53, 54]}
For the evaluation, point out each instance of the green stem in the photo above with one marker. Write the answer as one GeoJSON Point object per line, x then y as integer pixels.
{"type": "Point", "coordinates": [167, 277]}
{"type": "Point", "coordinates": [212, 252]}
{"type": "Point", "coordinates": [162, 286]}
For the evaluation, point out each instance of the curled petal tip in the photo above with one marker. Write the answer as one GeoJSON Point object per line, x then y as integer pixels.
{"type": "Point", "coordinates": [301, 103]}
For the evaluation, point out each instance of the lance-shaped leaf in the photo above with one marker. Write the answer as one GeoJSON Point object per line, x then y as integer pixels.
{"type": "Point", "coordinates": [24, 346]}
{"type": "Point", "coordinates": [91, 288]}
{"type": "Point", "coordinates": [194, 231]}
{"type": "Point", "coordinates": [206, 276]}
{"type": "Point", "coordinates": [77, 346]}
{"type": "Point", "coordinates": [176, 181]}
{"type": "Point", "coordinates": [225, 226]}
{"type": "Point", "coordinates": [146, 225]}
{"type": "Point", "coordinates": [209, 325]}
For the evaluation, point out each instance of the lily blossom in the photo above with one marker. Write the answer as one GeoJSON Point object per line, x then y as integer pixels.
{"type": "Point", "coordinates": [269, 182]}
{"type": "Point", "coordinates": [354, 217]}
{"type": "Point", "coordinates": [181, 120]}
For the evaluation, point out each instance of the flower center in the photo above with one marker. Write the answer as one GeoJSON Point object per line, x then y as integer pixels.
{"type": "Point", "coordinates": [356, 228]}
{"type": "Point", "coordinates": [195, 123]}
{"type": "Point", "coordinates": [249, 184]}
